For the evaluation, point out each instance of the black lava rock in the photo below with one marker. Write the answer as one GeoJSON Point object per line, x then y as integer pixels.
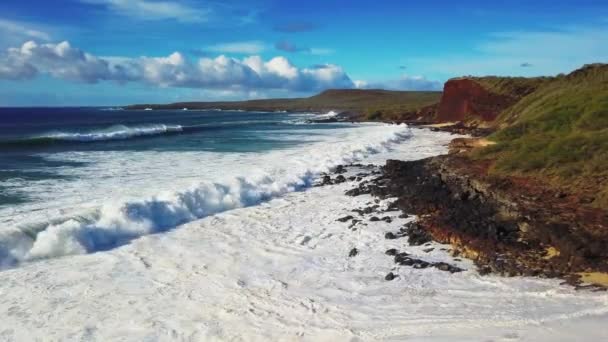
{"type": "Point", "coordinates": [391, 252]}
{"type": "Point", "coordinates": [390, 236]}
{"type": "Point", "coordinates": [353, 223]}
{"type": "Point", "coordinates": [417, 236]}
{"type": "Point", "coordinates": [340, 169]}
{"type": "Point", "coordinates": [326, 180]}
{"type": "Point", "coordinates": [447, 267]}
{"type": "Point", "coordinates": [345, 218]}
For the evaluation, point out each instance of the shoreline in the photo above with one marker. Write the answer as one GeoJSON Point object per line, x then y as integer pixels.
{"type": "Point", "coordinates": [290, 268]}
{"type": "Point", "coordinates": [571, 256]}
{"type": "Point", "coordinates": [500, 254]}
{"type": "Point", "coordinates": [501, 226]}
{"type": "Point", "coordinates": [530, 245]}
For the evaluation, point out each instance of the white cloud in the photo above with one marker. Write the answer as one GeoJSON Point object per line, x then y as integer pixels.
{"type": "Point", "coordinates": [58, 60]}
{"type": "Point", "coordinates": [11, 27]}
{"type": "Point", "coordinates": [154, 10]}
{"type": "Point", "coordinates": [246, 47]}
{"type": "Point", "coordinates": [66, 62]}
{"type": "Point", "coordinates": [14, 32]}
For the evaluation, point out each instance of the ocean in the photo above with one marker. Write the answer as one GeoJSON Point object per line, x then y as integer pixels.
{"type": "Point", "coordinates": [100, 177]}
{"type": "Point", "coordinates": [207, 226]}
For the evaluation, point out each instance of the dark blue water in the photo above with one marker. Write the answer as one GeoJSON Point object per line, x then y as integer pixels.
{"type": "Point", "coordinates": [27, 135]}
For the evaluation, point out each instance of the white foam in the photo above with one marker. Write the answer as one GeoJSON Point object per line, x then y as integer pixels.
{"type": "Point", "coordinates": [281, 271]}
{"type": "Point", "coordinates": [148, 192]}
{"type": "Point", "coordinates": [327, 115]}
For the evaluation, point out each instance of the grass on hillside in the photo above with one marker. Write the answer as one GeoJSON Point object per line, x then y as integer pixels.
{"type": "Point", "coordinates": [375, 104]}
{"type": "Point", "coordinates": [559, 131]}
{"type": "Point", "coordinates": [511, 86]}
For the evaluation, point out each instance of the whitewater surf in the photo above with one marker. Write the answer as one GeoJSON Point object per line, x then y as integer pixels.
{"type": "Point", "coordinates": [220, 235]}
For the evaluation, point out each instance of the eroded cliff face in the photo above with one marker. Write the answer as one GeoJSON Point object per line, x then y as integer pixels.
{"type": "Point", "coordinates": [467, 101]}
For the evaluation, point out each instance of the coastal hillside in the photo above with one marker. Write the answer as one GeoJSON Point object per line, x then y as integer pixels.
{"type": "Point", "coordinates": [553, 128]}
{"type": "Point", "coordinates": [531, 197]}
{"type": "Point", "coordinates": [368, 104]}
{"type": "Point", "coordinates": [558, 131]}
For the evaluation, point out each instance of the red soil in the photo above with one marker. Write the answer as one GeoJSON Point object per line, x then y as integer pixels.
{"type": "Point", "coordinates": [465, 99]}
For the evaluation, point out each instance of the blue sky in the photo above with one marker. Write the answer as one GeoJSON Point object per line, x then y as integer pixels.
{"type": "Point", "coordinates": [113, 52]}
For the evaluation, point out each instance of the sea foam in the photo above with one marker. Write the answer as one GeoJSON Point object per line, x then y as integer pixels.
{"type": "Point", "coordinates": [117, 222]}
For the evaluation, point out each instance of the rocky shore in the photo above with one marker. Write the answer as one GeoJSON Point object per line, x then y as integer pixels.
{"type": "Point", "coordinates": [506, 226]}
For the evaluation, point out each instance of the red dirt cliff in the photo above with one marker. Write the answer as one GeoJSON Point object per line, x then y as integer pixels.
{"type": "Point", "coordinates": [466, 100]}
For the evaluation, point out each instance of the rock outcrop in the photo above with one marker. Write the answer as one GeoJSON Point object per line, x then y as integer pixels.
{"type": "Point", "coordinates": [507, 225]}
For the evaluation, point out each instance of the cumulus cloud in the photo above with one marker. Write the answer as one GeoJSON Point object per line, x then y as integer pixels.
{"type": "Point", "coordinates": [246, 47]}
{"type": "Point", "coordinates": [66, 62]}
{"type": "Point", "coordinates": [58, 60]}
{"type": "Point", "coordinates": [154, 10]}
{"type": "Point", "coordinates": [15, 69]}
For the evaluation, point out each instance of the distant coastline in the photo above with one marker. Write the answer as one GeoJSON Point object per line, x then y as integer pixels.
{"type": "Point", "coordinates": [356, 104]}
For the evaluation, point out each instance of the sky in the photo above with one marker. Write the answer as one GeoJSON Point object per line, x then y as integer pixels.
{"type": "Point", "coordinates": [116, 52]}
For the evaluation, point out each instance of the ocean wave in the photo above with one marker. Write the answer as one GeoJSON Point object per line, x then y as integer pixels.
{"type": "Point", "coordinates": [123, 132]}
{"type": "Point", "coordinates": [116, 223]}
{"type": "Point", "coordinates": [112, 109]}
{"type": "Point", "coordinates": [116, 132]}
{"type": "Point", "coordinates": [308, 118]}
{"type": "Point", "coordinates": [327, 115]}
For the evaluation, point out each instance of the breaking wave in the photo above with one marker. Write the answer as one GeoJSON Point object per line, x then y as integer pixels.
{"type": "Point", "coordinates": [116, 223]}
{"type": "Point", "coordinates": [327, 115]}
{"type": "Point", "coordinates": [116, 132]}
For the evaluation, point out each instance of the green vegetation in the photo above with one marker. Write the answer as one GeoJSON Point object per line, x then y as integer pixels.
{"type": "Point", "coordinates": [558, 131]}
{"type": "Point", "coordinates": [371, 104]}
{"type": "Point", "coordinates": [511, 86]}
{"type": "Point", "coordinates": [375, 104]}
